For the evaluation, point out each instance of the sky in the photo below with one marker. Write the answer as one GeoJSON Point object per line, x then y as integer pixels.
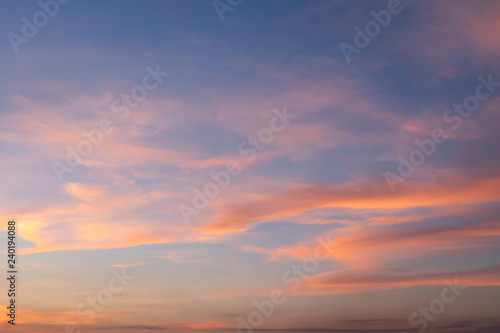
{"type": "Point", "coordinates": [251, 166]}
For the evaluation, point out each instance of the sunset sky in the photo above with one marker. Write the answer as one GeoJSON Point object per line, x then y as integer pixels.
{"type": "Point", "coordinates": [185, 162]}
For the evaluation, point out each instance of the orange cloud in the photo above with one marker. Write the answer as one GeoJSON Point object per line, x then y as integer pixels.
{"type": "Point", "coordinates": [201, 326]}
{"type": "Point", "coordinates": [129, 265]}
{"type": "Point", "coordinates": [358, 195]}
{"type": "Point", "coordinates": [349, 281]}
{"type": "Point", "coordinates": [298, 252]}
